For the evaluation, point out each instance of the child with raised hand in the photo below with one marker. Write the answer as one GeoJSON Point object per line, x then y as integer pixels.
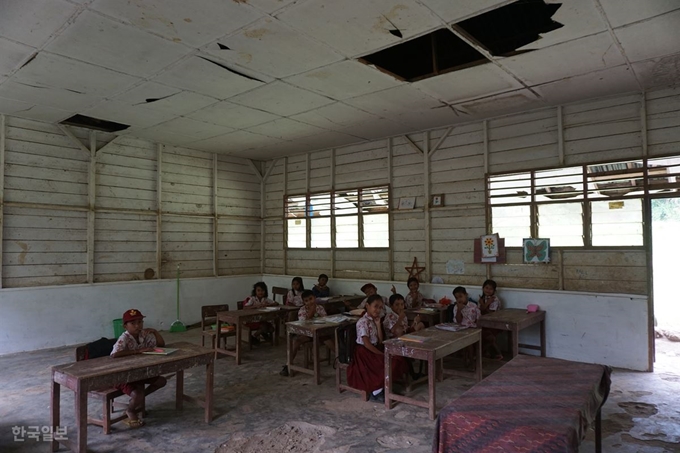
{"type": "Point", "coordinates": [413, 299]}
{"type": "Point", "coordinates": [321, 289]}
{"type": "Point", "coordinates": [489, 302]}
{"type": "Point", "coordinates": [367, 369]}
{"type": "Point", "coordinates": [370, 290]}
{"type": "Point", "coordinates": [294, 296]}
{"type": "Point", "coordinates": [396, 323]}
{"type": "Point", "coordinates": [309, 311]}
{"type": "Point", "coordinates": [259, 298]}
{"type": "Point", "coordinates": [136, 340]}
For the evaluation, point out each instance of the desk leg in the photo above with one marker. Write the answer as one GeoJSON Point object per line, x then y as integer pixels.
{"type": "Point", "coordinates": [543, 338]}
{"type": "Point", "coordinates": [179, 390]}
{"type": "Point", "coordinates": [239, 332]}
{"type": "Point", "coordinates": [315, 358]}
{"type": "Point", "coordinates": [289, 351]}
{"type": "Point", "coordinates": [209, 381]}
{"type": "Point", "coordinates": [388, 380]}
{"type": "Point", "coordinates": [478, 363]}
{"type": "Point", "coordinates": [217, 337]}
{"type": "Point", "coordinates": [277, 330]}
{"type": "Point", "coordinates": [514, 340]}
{"type": "Point", "coordinates": [81, 419]}
{"type": "Point", "coordinates": [56, 408]}
{"type": "Point", "coordinates": [598, 431]}
{"type": "Point", "coordinates": [431, 378]}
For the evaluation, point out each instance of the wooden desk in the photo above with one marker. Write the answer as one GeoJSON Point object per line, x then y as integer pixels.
{"type": "Point", "coordinates": [338, 304]}
{"type": "Point", "coordinates": [316, 329]}
{"type": "Point", "coordinates": [440, 344]}
{"type": "Point", "coordinates": [240, 317]}
{"type": "Point", "coordinates": [429, 316]}
{"type": "Point", "coordinates": [531, 404]}
{"type": "Point", "coordinates": [513, 320]}
{"type": "Point", "coordinates": [105, 372]}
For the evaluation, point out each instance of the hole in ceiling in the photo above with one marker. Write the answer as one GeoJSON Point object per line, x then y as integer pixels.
{"type": "Point", "coordinates": [502, 31]}
{"type": "Point", "coordinates": [426, 56]}
{"type": "Point", "coordinates": [231, 70]}
{"type": "Point", "coordinates": [222, 46]}
{"type": "Point", "coordinates": [94, 123]}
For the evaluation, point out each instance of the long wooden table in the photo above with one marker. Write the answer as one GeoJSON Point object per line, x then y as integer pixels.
{"type": "Point", "coordinates": [105, 372]}
{"type": "Point", "coordinates": [240, 317]}
{"type": "Point", "coordinates": [530, 405]}
{"type": "Point", "coordinates": [440, 343]}
{"type": "Point", "coordinates": [513, 320]}
{"type": "Point", "coordinates": [338, 304]}
{"type": "Point", "coordinates": [315, 329]}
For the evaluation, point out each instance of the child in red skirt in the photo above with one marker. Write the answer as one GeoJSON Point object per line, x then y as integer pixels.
{"type": "Point", "coordinates": [367, 369]}
{"type": "Point", "coordinates": [135, 340]}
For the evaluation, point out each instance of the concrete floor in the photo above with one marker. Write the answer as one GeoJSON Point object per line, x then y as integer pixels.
{"type": "Point", "coordinates": [259, 411]}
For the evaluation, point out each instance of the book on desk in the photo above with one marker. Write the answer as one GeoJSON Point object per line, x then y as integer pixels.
{"type": "Point", "coordinates": [161, 351]}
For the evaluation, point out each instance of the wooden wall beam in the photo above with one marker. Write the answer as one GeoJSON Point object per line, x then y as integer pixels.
{"type": "Point", "coordinates": [91, 202]}
{"type": "Point", "coordinates": [390, 216]}
{"type": "Point", "coordinates": [2, 188]}
{"type": "Point", "coordinates": [426, 185]}
{"type": "Point", "coordinates": [73, 138]}
{"type": "Point", "coordinates": [159, 207]}
{"type": "Point", "coordinates": [216, 250]}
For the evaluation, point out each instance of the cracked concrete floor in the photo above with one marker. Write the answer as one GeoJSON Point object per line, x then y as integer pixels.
{"type": "Point", "coordinates": [259, 411]}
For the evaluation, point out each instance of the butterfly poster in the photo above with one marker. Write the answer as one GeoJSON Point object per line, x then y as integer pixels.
{"type": "Point", "coordinates": [536, 250]}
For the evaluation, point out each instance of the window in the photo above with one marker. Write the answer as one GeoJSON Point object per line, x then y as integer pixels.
{"type": "Point", "coordinates": [357, 218]}
{"type": "Point", "coordinates": [590, 205]}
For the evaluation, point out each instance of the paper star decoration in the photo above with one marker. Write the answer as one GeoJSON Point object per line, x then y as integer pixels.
{"type": "Point", "coordinates": [415, 270]}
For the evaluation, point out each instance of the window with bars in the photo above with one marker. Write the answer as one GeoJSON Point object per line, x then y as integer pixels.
{"type": "Point", "coordinates": [588, 205]}
{"type": "Point", "coordinates": [356, 218]}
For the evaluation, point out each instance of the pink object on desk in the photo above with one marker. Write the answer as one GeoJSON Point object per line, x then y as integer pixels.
{"type": "Point", "coordinates": [532, 308]}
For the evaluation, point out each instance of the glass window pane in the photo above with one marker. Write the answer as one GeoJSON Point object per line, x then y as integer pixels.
{"type": "Point", "coordinates": [295, 206]}
{"type": "Point", "coordinates": [320, 205]}
{"type": "Point", "coordinates": [377, 230]}
{"type": "Point", "coordinates": [297, 233]}
{"type": "Point", "coordinates": [510, 189]}
{"type": "Point", "coordinates": [512, 223]}
{"type": "Point", "coordinates": [321, 232]}
{"type": "Point", "coordinates": [616, 179]}
{"type": "Point", "coordinates": [346, 202]}
{"type": "Point", "coordinates": [374, 200]}
{"type": "Point", "coordinates": [562, 223]}
{"type": "Point", "coordinates": [347, 231]}
{"type": "Point", "coordinates": [560, 184]}
{"type": "Point", "coordinates": [617, 222]}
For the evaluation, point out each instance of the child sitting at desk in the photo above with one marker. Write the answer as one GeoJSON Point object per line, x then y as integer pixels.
{"type": "Point", "coordinates": [489, 303]}
{"type": "Point", "coordinates": [294, 296]}
{"type": "Point", "coordinates": [321, 289]}
{"type": "Point", "coordinates": [259, 298]}
{"type": "Point", "coordinates": [136, 340]}
{"type": "Point", "coordinates": [369, 289]}
{"type": "Point", "coordinates": [396, 322]}
{"type": "Point", "coordinates": [367, 370]}
{"type": "Point", "coordinates": [309, 311]}
{"type": "Point", "coordinates": [463, 311]}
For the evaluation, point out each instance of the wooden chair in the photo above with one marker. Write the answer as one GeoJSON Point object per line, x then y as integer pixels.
{"type": "Point", "coordinates": [106, 397]}
{"type": "Point", "coordinates": [307, 349]}
{"type": "Point", "coordinates": [208, 318]}
{"type": "Point", "coordinates": [278, 291]}
{"type": "Point", "coordinates": [338, 375]}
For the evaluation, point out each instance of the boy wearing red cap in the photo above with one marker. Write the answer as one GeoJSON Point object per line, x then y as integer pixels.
{"type": "Point", "coordinates": [136, 340]}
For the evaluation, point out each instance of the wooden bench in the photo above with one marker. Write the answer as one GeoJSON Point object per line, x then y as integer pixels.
{"type": "Point", "coordinates": [339, 368]}
{"type": "Point", "coordinates": [208, 318]}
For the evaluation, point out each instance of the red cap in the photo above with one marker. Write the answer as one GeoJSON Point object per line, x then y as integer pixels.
{"type": "Point", "coordinates": [132, 314]}
{"type": "Point", "coordinates": [368, 285]}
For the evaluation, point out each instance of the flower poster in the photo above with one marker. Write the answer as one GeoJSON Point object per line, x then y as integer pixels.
{"type": "Point", "coordinates": [536, 250]}
{"type": "Point", "coordinates": [489, 248]}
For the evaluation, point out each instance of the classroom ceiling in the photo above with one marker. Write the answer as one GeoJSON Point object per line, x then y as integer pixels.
{"type": "Point", "coordinates": [265, 78]}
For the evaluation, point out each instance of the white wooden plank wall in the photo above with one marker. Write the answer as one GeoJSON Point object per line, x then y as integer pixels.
{"type": "Point", "coordinates": [46, 205]}
{"type": "Point", "coordinates": [596, 131]}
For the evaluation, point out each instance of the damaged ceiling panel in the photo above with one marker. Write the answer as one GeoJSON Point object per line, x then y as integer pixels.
{"type": "Point", "coordinates": [264, 78]}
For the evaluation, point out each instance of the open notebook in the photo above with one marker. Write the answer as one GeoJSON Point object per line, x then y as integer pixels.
{"type": "Point", "coordinates": [161, 351]}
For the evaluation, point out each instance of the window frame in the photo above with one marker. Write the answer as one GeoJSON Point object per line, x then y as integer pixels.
{"type": "Point", "coordinates": [646, 195]}
{"type": "Point", "coordinates": [333, 215]}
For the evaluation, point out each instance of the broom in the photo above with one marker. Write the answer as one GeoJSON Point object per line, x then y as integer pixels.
{"type": "Point", "coordinates": [178, 326]}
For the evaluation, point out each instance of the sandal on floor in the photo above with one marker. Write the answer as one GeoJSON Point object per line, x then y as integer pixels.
{"type": "Point", "coordinates": [499, 357]}
{"type": "Point", "coordinates": [134, 424]}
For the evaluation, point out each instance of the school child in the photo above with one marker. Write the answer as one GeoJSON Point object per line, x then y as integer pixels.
{"type": "Point", "coordinates": [367, 369]}
{"type": "Point", "coordinates": [259, 298]}
{"type": "Point", "coordinates": [396, 323]}
{"type": "Point", "coordinates": [309, 311]}
{"type": "Point", "coordinates": [135, 340]}
{"type": "Point", "coordinates": [294, 296]}
{"type": "Point", "coordinates": [464, 312]}
{"type": "Point", "coordinates": [369, 289]}
{"type": "Point", "coordinates": [413, 299]}
{"type": "Point", "coordinates": [321, 289]}
{"type": "Point", "coordinates": [489, 302]}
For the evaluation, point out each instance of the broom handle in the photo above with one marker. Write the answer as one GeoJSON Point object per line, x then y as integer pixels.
{"type": "Point", "coordinates": [178, 291]}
